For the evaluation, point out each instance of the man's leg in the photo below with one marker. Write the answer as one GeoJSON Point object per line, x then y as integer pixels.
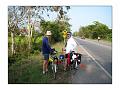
{"type": "Point", "coordinates": [98, 40]}
{"type": "Point", "coordinates": [46, 57]}
{"type": "Point", "coordinates": [44, 63]}
{"type": "Point", "coordinates": [46, 66]}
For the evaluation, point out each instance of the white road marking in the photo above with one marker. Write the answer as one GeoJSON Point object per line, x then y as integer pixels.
{"type": "Point", "coordinates": [107, 73]}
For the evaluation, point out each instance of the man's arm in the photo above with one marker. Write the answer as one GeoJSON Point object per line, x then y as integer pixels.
{"type": "Point", "coordinates": [47, 45]}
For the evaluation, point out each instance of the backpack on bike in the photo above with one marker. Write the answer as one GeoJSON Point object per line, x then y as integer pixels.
{"type": "Point", "coordinates": [78, 58]}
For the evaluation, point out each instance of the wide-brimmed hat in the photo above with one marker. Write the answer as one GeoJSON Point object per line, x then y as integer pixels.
{"type": "Point", "coordinates": [48, 33]}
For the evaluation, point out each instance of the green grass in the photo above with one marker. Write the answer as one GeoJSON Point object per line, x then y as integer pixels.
{"type": "Point", "coordinates": [58, 46]}
{"type": "Point", "coordinates": [30, 70]}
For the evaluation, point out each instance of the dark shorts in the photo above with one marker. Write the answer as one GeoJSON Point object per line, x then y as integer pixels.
{"type": "Point", "coordinates": [46, 56]}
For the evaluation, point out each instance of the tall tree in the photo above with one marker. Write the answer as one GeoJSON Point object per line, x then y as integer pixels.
{"type": "Point", "coordinates": [94, 30]}
{"type": "Point", "coordinates": [19, 16]}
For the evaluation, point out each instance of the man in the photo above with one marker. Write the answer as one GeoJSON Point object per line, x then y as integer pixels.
{"type": "Point", "coordinates": [46, 49]}
{"type": "Point", "coordinates": [71, 46]}
{"type": "Point", "coordinates": [98, 38]}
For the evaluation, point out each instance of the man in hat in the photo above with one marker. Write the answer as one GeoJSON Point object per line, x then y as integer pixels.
{"type": "Point", "coordinates": [46, 49]}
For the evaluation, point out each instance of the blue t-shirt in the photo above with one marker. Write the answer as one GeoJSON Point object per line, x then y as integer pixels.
{"type": "Point", "coordinates": [45, 46]}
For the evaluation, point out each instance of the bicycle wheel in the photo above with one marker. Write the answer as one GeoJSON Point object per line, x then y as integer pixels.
{"type": "Point", "coordinates": [54, 70]}
{"type": "Point", "coordinates": [74, 64]}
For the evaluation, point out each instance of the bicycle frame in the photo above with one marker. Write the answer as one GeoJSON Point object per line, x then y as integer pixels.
{"type": "Point", "coordinates": [73, 60]}
{"type": "Point", "coordinates": [53, 60]}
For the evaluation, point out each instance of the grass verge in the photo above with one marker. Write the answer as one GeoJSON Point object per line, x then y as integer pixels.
{"type": "Point", "coordinates": [29, 71]}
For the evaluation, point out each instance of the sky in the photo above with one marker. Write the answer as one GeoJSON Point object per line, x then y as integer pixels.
{"type": "Point", "coordinates": [85, 15]}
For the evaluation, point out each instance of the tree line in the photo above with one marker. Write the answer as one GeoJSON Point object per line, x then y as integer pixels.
{"type": "Point", "coordinates": [94, 30]}
{"type": "Point", "coordinates": [27, 26]}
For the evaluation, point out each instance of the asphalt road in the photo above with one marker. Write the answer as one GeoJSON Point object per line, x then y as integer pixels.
{"type": "Point", "coordinates": [101, 53]}
{"type": "Point", "coordinates": [97, 64]}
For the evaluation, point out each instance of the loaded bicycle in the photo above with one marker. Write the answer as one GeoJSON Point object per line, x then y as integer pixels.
{"type": "Point", "coordinates": [73, 60]}
{"type": "Point", "coordinates": [54, 60]}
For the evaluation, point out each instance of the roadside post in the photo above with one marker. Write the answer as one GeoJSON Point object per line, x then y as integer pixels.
{"type": "Point", "coordinates": [64, 35]}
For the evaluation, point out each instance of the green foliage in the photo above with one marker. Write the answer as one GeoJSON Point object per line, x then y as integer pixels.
{"type": "Point", "coordinates": [18, 19]}
{"type": "Point", "coordinates": [29, 70]}
{"type": "Point", "coordinates": [37, 43]}
{"type": "Point", "coordinates": [21, 42]}
{"type": "Point", "coordinates": [21, 49]}
{"type": "Point", "coordinates": [96, 29]}
{"type": "Point", "coordinates": [56, 28]}
{"type": "Point", "coordinates": [75, 33]}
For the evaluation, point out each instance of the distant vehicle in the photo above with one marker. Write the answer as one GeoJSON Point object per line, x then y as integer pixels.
{"type": "Point", "coordinates": [82, 37]}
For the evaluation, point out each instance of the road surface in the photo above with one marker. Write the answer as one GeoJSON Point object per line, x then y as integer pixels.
{"type": "Point", "coordinates": [96, 67]}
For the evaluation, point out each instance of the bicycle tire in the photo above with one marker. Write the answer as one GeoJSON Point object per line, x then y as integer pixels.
{"type": "Point", "coordinates": [54, 70]}
{"type": "Point", "coordinates": [76, 64]}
